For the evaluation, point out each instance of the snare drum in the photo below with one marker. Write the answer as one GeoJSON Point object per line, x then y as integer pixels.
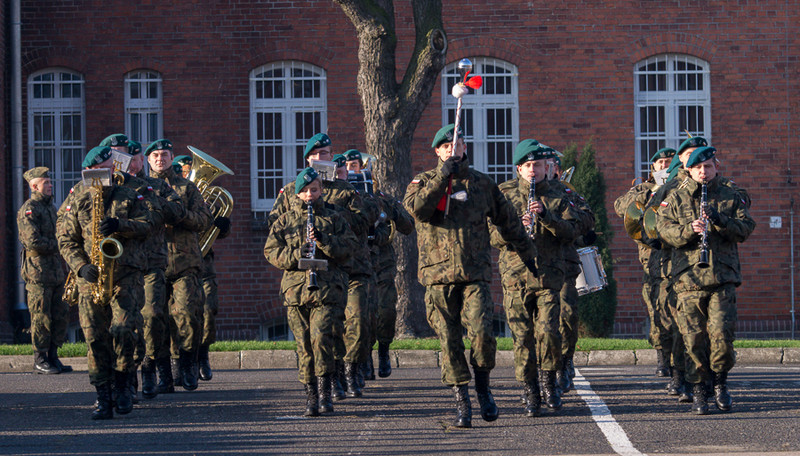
{"type": "Point", "coordinates": [593, 276]}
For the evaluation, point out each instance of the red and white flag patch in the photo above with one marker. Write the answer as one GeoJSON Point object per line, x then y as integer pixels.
{"type": "Point", "coordinates": [415, 181]}
{"type": "Point", "coordinates": [664, 204]}
{"type": "Point", "coordinates": [28, 212]}
{"type": "Point", "coordinates": [69, 208]}
{"type": "Point", "coordinates": [139, 197]}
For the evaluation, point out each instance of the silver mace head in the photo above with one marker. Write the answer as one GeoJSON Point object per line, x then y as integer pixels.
{"type": "Point", "coordinates": [464, 67]}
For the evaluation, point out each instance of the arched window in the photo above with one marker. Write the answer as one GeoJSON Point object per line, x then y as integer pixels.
{"type": "Point", "coordinates": [490, 115]}
{"type": "Point", "coordinates": [672, 96]}
{"type": "Point", "coordinates": [144, 106]}
{"type": "Point", "coordinates": [288, 105]}
{"type": "Point", "coordinates": [56, 126]}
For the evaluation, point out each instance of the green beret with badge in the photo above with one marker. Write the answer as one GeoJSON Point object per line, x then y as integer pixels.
{"type": "Point", "coordinates": [182, 160]}
{"type": "Point", "coordinates": [445, 134]}
{"type": "Point", "coordinates": [529, 150]}
{"type": "Point", "coordinates": [700, 155]}
{"type": "Point", "coordinates": [115, 140]}
{"type": "Point", "coordinates": [316, 141]}
{"type": "Point", "coordinates": [96, 155]}
{"type": "Point", "coordinates": [666, 152]}
{"type": "Point", "coordinates": [159, 144]}
{"type": "Point", "coordinates": [35, 173]}
{"type": "Point", "coordinates": [340, 160]}
{"type": "Point", "coordinates": [134, 148]}
{"type": "Point", "coordinates": [353, 154]}
{"type": "Point", "coordinates": [694, 141]}
{"type": "Point", "coordinates": [305, 177]}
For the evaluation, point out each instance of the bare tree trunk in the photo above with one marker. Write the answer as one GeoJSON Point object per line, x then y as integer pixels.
{"type": "Point", "coordinates": [392, 110]}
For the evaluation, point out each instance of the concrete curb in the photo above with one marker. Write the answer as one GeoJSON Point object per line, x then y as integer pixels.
{"type": "Point", "coordinates": [287, 359]}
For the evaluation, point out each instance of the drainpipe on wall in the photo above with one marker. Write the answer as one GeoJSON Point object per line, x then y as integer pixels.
{"type": "Point", "coordinates": [16, 142]}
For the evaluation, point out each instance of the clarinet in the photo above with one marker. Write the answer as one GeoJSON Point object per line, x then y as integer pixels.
{"type": "Point", "coordinates": [532, 214]}
{"type": "Point", "coordinates": [703, 263]}
{"type": "Point", "coordinates": [311, 283]}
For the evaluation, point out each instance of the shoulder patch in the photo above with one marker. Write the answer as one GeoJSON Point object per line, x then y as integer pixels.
{"type": "Point", "coordinates": [743, 201]}
{"type": "Point", "coordinates": [572, 204]}
{"type": "Point", "coordinates": [415, 181]}
{"type": "Point", "coordinates": [568, 190]}
{"type": "Point", "coordinates": [28, 212]}
{"type": "Point", "coordinates": [68, 208]}
{"type": "Point", "coordinates": [149, 188]}
{"type": "Point", "coordinates": [664, 204]}
{"type": "Point", "coordinates": [72, 190]}
{"type": "Point", "coordinates": [281, 191]}
{"type": "Point", "coordinates": [139, 197]}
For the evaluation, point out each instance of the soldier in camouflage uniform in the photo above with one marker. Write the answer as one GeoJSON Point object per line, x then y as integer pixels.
{"type": "Point", "coordinates": [532, 303]}
{"type": "Point", "coordinates": [455, 264]}
{"type": "Point", "coordinates": [184, 263]}
{"type": "Point", "coordinates": [312, 314]}
{"type": "Point", "coordinates": [706, 296]}
{"type": "Point", "coordinates": [108, 325]}
{"type": "Point", "coordinates": [43, 273]}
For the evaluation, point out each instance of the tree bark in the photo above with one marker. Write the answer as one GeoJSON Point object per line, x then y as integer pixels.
{"type": "Point", "coordinates": [392, 110]}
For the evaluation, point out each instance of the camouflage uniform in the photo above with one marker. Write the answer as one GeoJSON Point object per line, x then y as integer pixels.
{"type": "Point", "coordinates": [455, 261]}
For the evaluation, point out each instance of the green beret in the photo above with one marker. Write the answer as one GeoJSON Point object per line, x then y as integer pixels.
{"type": "Point", "coordinates": [700, 155]}
{"type": "Point", "coordinates": [340, 160]}
{"type": "Point", "coordinates": [117, 139]}
{"type": "Point", "coordinates": [695, 141]}
{"type": "Point", "coordinates": [445, 134]}
{"type": "Point", "coordinates": [159, 144]}
{"type": "Point", "coordinates": [675, 164]}
{"type": "Point", "coordinates": [353, 154]}
{"type": "Point", "coordinates": [305, 177]}
{"type": "Point", "coordinates": [35, 173]}
{"type": "Point", "coordinates": [182, 160]}
{"type": "Point", "coordinates": [134, 148]}
{"type": "Point", "coordinates": [528, 150]}
{"type": "Point", "coordinates": [96, 156]}
{"type": "Point", "coordinates": [666, 152]}
{"type": "Point", "coordinates": [316, 141]}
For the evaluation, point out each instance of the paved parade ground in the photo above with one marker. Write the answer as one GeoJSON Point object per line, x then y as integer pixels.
{"type": "Point", "coordinates": [616, 410]}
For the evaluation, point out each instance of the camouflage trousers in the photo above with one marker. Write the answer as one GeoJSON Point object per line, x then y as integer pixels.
{"type": "Point", "coordinates": [313, 329]}
{"type": "Point", "coordinates": [49, 315]}
{"type": "Point", "coordinates": [155, 315]}
{"type": "Point", "coordinates": [568, 326]}
{"type": "Point", "coordinates": [352, 334]}
{"type": "Point", "coordinates": [654, 294]}
{"type": "Point", "coordinates": [141, 349]}
{"type": "Point", "coordinates": [707, 319]}
{"type": "Point", "coordinates": [450, 309]}
{"type": "Point", "coordinates": [185, 296]}
{"type": "Point", "coordinates": [678, 350]}
{"type": "Point", "coordinates": [210, 309]}
{"type": "Point", "coordinates": [533, 316]}
{"type": "Point", "coordinates": [386, 312]}
{"type": "Point", "coordinates": [110, 329]}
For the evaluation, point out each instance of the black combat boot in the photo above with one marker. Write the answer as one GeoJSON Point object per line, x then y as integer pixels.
{"type": "Point", "coordinates": [325, 386]}
{"type": "Point", "coordinates": [41, 365]}
{"type": "Point", "coordinates": [675, 385]}
{"type": "Point", "coordinates": [52, 356]}
{"type": "Point", "coordinates": [175, 365]}
{"type": "Point", "coordinates": [489, 411]}
{"type": "Point", "coordinates": [687, 395]}
{"type": "Point", "coordinates": [312, 398]}
{"type": "Point", "coordinates": [350, 372]}
{"type": "Point", "coordinates": [166, 383]}
{"type": "Point", "coordinates": [700, 404]}
{"type": "Point", "coordinates": [205, 365]}
{"type": "Point", "coordinates": [570, 367]}
{"type": "Point", "coordinates": [550, 393]}
{"type": "Point", "coordinates": [384, 362]}
{"type": "Point", "coordinates": [563, 380]}
{"type": "Point", "coordinates": [103, 409]}
{"type": "Point", "coordinates": [123, 401]}
{"type": "Point", "coordinates": [187, 368]}
{"type": "Point", "coordinates": [533, 398]}
{"type": "Point", "coordinates": [133, 384]}
{"type": "Point", "coordinates": [662, 367]}
{"type": "Point", "coordinates": [463, 407]}
{"type": "Point", "coordinates": [369, 367]}
{"type": "Point", "coordinates": [149, 390]}
{"type": "Point", "coordinates": [339, 381]}
{"type": "Point", "coordinates": [360, 368]}
{"type": "Point", "coordinates": [721, 396]}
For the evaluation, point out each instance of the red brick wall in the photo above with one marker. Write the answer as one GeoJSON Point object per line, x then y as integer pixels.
{"type": "Point", "coordinates": [576, 83]}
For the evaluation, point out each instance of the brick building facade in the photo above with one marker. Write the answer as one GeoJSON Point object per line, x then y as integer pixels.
{"type": "Point", "coordinates": [248, 82]}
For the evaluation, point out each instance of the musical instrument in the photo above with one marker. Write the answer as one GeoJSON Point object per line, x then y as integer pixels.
{"type": "Point", "coordinates": [703, 262]}
{"type": "Point", "coordinates": [325, 169]}
{"type": "Point", "coordinates": [593, 276]}
{"type": "Point", "coordinates": [205, 169]}
{"type": "Point", "coordinates": [361, 181]}
{"type": "Point", "coordinates": [632, 220]}
{"type": "Point", "coordinates": [531, 229]}
{"type": "Point", "coordinates": [309, 263]}
{"type": "Point", "coordinates": [566, 176]}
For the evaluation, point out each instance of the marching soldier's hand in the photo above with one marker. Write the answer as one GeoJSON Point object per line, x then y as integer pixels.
{"type": "Point", "coordinates": [713, 214]}
{"type": "Point", "coordinates": [89, 273]}
{"type": "Point", "coordinates": [531, 265]}
{"type": "Point", "coordinates": [305, 251]}
{"type": "Point", "coordinates": [109, 226]}
{"type": "Point", "coordinates": [450, 166]}
{"type": "Point", "coordinates": [223, 223]}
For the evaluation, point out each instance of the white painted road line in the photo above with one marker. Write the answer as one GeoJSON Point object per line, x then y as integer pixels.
{"type": "Point", "coordinates": [614, 433]}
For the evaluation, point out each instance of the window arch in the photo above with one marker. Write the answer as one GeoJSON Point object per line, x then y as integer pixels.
{"type": "Point", "coordinates": [56, 126]}
{"type": "Point", "coordinates": [672, 95]}
{"type": "Point", "coordinates": [144, 106]}
{"type": "Point", "coordinates": [490, 115]}
{"type": "Point", "coordinates": [288, 105]}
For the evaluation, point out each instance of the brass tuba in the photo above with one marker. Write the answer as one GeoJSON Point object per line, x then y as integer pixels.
{"type": "Point", "coordinates": [205, 169]}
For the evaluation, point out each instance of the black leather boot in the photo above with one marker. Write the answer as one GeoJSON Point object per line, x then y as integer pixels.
{"type": "Point", "coordinates": [687, 395]}
{"type": "Point", "coordinates": [187, 368]}
{"type": "Point", "coordinates": [551, 397]}
{"type": "Point", "coordinates": [339, 393]}
{"type": "Point", "coordinates": [41, 365]}
{"type": "Point", "coordinates": [369, 367]}
{"type": "Point", "coordinates": [350, 372]}
{"type": "Point", "coordinates": [133, 384]}
{"type": "Point", "coordinates": [489, 411]}
{"type": "Point", "coordinates": [103, 409]}
{"type": "Point", "coordinates": [176, 371]}
{"type": "Point", "coordinates": [52, 356]}
{"type": "Point", "coordinates": [675, 385]}
{"type": "Point", "coordinates": [384, 362]}
{"type": "Point", "coordinates": [205, 365]}
{"type": "Point", "coordinates": [662, 366]}
{"type": "Point", "coordinates": [722, 398]}
{"type": "Point", "coordinates": [563, 381]}
{"type": "Point", "coordinates": [166, 384]}
{"type": "Point", "coordinates": [149, 390]}
{"type": "Point", "coordinates": [360, 368]}
{"type": "Point", "coordinates": [700, 403]}
{"type": "Point", "coordinates": [325, 386]}
{"type": "Point", "coordinates": [312, 398]}
{"type": "Point", "coordinates": [463, 407]}
{"type": "Point", "coordinates": [533, 398]}
{"type": "Point", "coordinates": [123, 401]}
{"type": "Point", "coordinates": [570, 367]}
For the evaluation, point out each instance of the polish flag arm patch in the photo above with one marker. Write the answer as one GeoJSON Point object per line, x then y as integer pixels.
{"type": "Point", "coordinates": [415, 181]}
{"type": "Point", "coordinates": [664, 204]}
{"type": "Point", "coordinates": [28, 212]}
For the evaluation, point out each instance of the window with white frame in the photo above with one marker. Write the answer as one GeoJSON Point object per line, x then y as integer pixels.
{"type": "Point", "coordinates": [56, 126]}
{"type": "Point", "coordinates": [288, 105]}
{"type": "Point", "coordinates": [144, 108]}
{"type": "Point", "coordinates": [672, 96]}
{"type": "Point", "coordinates": [489, 115]}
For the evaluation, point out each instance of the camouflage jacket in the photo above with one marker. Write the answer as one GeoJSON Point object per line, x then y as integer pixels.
{"type": "Point", "coordinates": [651, 259]}
{"type": "Point", "coordinates": [680, 208]}
{"type": "Point", "coordinates": [400, 221]}
{"type": "Point", "coordinates": [585, 217]}
{"type": "Point", "coordinates": [335, 243]}
{"type": "Point", "coordinates": [454, 248]}
{"type": "Point", "coordinates": [167, 207]}
{"type": "Point", "coordinates": [557, 227]}
{"type": "Point", "coordinates": [182, 236]}
{"type": "Point", "coordinates": [36, 222]}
